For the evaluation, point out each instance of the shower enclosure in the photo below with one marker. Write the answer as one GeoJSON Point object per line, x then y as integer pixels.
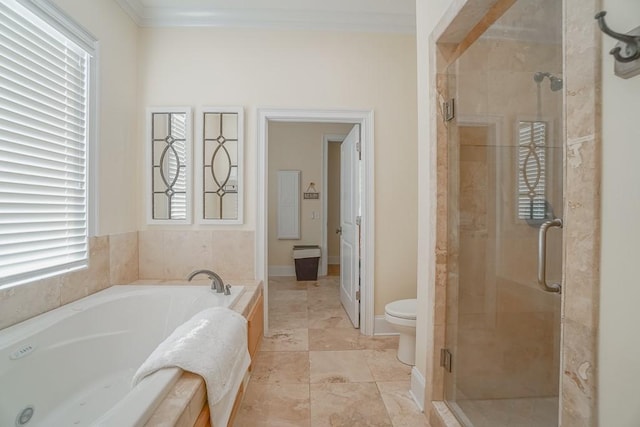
{"type": "Point", "coordinates": [505, 198]}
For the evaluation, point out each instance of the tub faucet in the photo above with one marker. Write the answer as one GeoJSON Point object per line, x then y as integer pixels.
{"type": "Point", "coordinates": [216, 281]}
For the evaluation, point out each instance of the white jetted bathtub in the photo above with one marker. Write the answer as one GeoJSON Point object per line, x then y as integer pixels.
{"type": "Point", "coordinates": [73, 366]}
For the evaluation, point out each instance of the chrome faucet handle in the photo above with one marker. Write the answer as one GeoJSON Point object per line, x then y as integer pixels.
{"type": "Point", "coordinates": [216, 281]}
{"type": "Point", "coordinates": [227, 290]}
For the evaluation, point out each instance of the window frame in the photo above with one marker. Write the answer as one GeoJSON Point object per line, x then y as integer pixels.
{"type": "Point", "coordinates": [199, 161]}
{"type": "Point", "coordinates": [75, 33]}
{"type": "Point", "coordinates": [187, 111]}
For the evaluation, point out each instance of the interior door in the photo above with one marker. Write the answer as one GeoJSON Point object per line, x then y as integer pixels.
{"type": "Point", "coordinates": [349, 241]}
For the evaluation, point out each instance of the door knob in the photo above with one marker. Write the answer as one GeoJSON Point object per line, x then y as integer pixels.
{"type": "Point", "coordinates": [339, 230]}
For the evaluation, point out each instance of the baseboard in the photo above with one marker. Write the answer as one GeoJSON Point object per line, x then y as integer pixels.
{"type": "Point", "coordinates": [282, 270]}
{"type": "Point", "coordinates": [418, 385]}
{"type": "Point", "coordinates": [333, 260]}
{"type": "Point", "coordinates": [382, 327]}
{"type": "Point", "coordinates": [444, 416]}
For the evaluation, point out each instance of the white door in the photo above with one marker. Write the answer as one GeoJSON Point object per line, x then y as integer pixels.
{"type": "Point", "coordinates": [349, 238]}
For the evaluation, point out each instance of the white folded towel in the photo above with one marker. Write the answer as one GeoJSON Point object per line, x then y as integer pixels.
{"type": "Point", "coordinates": [210, 344]}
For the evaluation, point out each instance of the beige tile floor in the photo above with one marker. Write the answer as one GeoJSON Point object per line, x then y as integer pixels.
{"type": "Point", "coordinates": [315, 369]}
{"type": "Point", "coordinates": [525, 412]}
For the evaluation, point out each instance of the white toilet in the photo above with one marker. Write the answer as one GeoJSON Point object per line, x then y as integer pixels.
{"type": "Point", "coordinates": [401, 315]}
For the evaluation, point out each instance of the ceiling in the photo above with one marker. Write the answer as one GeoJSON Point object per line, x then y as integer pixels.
{"type": "Point", "coordinates": [396, 16]}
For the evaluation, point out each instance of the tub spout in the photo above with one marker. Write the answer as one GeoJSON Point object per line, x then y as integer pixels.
{"type": "Point", "coordinates": [216, 281]}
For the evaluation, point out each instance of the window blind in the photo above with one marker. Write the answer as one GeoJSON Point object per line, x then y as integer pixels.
{"type": "Point", "coordinates": [43, 148]}
{"type": "Point", "coordinates": [178, 166]}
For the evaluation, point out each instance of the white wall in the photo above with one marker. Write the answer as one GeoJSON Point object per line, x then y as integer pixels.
{"type": "Point", "coordinates": [260, 68]}
{"type": "Point", "coordinates": [428, 13]}
{"type": "Point", "coordinates": [619, 353]}
{"type": "Point", "coordinates": [118, 177]}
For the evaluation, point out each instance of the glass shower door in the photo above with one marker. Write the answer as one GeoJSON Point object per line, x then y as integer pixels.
{"type": "Point", "coordinates": [505, 182]}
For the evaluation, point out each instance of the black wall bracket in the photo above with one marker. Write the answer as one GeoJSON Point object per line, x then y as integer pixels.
{"type": "Point", "coordinates": [627, 50]}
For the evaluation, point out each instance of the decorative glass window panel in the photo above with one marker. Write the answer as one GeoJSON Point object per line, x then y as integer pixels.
{"type": "Point", "coordinates": [219, 160]}
{"type": "Point", "coordinates": [169, 151]}
{"type": "Point", "coordinates": [532, 144]}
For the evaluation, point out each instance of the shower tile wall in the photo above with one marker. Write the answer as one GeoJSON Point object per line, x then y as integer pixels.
{"type": "Point", "coordinates": [507, 343]}
{"type": "Point", "coordinates": [583, 54]}
{"type": "Point", "coordinates": [582, 70]}
{"type": "Point", "coordinates": [504, 344]}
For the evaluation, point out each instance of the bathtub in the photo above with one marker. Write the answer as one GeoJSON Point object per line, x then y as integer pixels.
{"type": "Point", "coordinates": [73, 365]}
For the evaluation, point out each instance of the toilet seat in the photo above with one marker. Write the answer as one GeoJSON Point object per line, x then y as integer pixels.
{"type": "Point", "coordinates": [403, 309]}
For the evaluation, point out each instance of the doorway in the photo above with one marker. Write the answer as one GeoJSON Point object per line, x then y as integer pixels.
{"type": "Point", "coordinates": [365, 207]}
{"type": "Point", "coordinates": [330, 265]}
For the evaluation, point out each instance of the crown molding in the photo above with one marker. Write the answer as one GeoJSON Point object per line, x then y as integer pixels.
{"type": "Point", "coordinates": [134, 9]}
{"type": "Point", "coordinates": [300, 19]}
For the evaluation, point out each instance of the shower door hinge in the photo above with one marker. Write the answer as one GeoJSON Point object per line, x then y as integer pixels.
{"type": "Point", "coordinates": [449, 110]}
{"type": "Point", "coordinates": [445, 359]}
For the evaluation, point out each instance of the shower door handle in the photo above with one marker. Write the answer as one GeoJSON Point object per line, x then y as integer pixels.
{"type": "Point", "coordinates": [542, 255]}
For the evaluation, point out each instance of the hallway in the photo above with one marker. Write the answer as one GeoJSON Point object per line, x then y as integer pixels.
{"type": "Point", "coordinates": [317, 370]}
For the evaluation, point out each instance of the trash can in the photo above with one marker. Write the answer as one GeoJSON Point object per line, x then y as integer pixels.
{"type": "Point", "coordinates": [306, 258]}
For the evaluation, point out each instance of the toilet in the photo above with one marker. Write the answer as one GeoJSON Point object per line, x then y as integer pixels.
{"type": "Point", "coordinates": [401, 315]}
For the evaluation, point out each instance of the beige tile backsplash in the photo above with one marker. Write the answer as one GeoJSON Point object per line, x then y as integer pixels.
{"type": "Point", "coordinates": [172, 254]}
{"type": "Point", "coordinates": [126, 257]}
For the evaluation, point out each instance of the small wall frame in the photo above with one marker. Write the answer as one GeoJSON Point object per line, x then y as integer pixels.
{"type": "Point", "coordinates": [168, 165]}
{"type": "Point", "coordinates": [219, 165]}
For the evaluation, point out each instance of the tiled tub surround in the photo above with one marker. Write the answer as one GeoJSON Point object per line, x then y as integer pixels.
{"type": "Point", "coordinates": [124, 258]}
{"type": "Point", "coordinates": [88, 350]}
{"type": "Point", "coordinates": [113, 260]}
{"type": "Point", "coordinates": [183, 405]}
{"type": "Point", "coordinates": [173, 254]}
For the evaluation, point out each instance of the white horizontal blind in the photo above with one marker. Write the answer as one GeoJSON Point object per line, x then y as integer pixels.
{"type": "Point", "coordinates": [178, 166]}
{"type": "Point", "coordinates": [43, 148]}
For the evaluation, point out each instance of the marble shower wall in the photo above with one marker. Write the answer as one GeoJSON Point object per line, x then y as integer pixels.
{"type": "Point", "coordinates": [580, 141]}
{"type": "Point", "coordinates": [503, 330]}
{"type": "Point", "coordinates": [583, 169]}
{"type": "Point", "coordinates": [112, 260]}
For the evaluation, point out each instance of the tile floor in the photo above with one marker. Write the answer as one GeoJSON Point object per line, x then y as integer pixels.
{"type": "Point", "coordinates": [526, 412]}
{"type": "Point", "coordinates": [315, 369]}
